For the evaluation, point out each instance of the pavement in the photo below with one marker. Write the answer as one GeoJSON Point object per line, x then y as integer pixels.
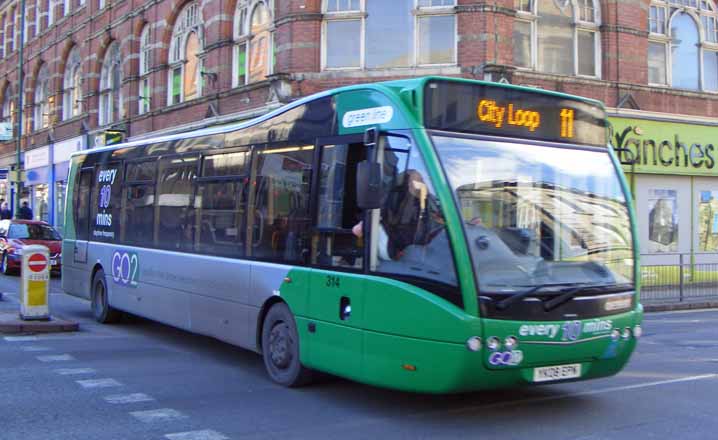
{"type": "Point", "coordinates": [12, 323]}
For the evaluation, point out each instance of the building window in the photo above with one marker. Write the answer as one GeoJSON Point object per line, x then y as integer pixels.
{"type": "Point", "coordinates": [558, 37]}
{"type": "Point", "coordinates": [72, 85]}
{"type": "Point", "coordinates": [423, 32]}
{"type": "Point", "coordinates": [145, 91]}
{"type": "Point", "coordinates": [66, 7]}
{"type": "Point", "coordinates": [683, 44]}
{"type": "Point", "coordinates": [8, 107]}
{"type": "Point", "coordinates": [259, 43]}
{"type": "Point", "coordinates": [50, 12]}
{"type": "Point", "coordinates": [241, 38]}
{"type": "Point", "coordinates": [110, 82]}
{"type": "Point", "coordinates": [42, 99]}
{"type": "Point", "coordinates": [10, 31]}
{"type": "Point", "coordinates": [100, 4]}
{"type": "Point", "coordinates": [2, 36]}
{"type": "Point", "coordinates": [185, 47]}
{"type": "Point", "coordinates": [38, 14]}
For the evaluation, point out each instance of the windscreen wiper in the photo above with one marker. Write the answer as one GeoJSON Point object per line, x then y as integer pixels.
{"type": "Point", "coordinates": [568, 294]}
{"type": "Point", "coordinates": [565, 294]}
{"type": "Point", "coordinates": [504, 304]}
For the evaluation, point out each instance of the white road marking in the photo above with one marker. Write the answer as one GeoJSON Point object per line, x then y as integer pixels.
{"type": "Point", "coordinates": [98, 383]}
{"type": "Point", "coordinates": [73, 371]}
{"type": "Point", "coordinates": [34, 348]}
{"type": "Point", "coordinates": [128, 398]}
{"type": "Point", "coordinates": [55, 358]}
{"type": "Point", "coordinates": [158, 415]}
{"type": "Point", "coordinates": [20, 338]}
{"type": "Point", "coordinates": [206, 434]}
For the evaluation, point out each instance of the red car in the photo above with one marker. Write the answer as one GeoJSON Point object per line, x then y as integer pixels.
{"type": "Point", "coordinates": [16, 234]}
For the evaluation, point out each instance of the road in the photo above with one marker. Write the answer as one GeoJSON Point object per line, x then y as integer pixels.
{"type": "Point", "coordinates": [143, 380]}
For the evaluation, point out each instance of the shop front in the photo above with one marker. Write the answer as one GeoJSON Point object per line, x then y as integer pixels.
{"type": "Point", "coordinates": [672, 169]}
{"type": "Point", "coordinates": [46, 170]}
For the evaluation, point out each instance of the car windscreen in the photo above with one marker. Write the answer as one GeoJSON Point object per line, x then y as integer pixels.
{"type": "Point", "coordinates": [29, 231]}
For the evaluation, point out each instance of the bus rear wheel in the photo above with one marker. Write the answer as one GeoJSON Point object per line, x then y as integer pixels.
{"type": "Point", "coordinates": [101, 309]}
{"type": "Point", "coordinates": [280, 348]}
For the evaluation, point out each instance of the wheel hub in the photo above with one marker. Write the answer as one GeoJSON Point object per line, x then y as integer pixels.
{"type": "Point", "coordinates": [280, 346]}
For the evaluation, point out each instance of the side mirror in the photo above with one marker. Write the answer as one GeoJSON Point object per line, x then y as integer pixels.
{"type": "Point", "coordinates": [368, 185]}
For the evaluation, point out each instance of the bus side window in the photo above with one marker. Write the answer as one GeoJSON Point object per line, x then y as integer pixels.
{"type": "Point", "coordinates": [175, 207]}
{"type": "Point", "coordinates": [413, 241]}
{"type": "Point", "coordinates": [138, 209]}
{"type": "Point", "coordinates": [221, 204]}
{"type": "Point", "coordinates": [279, 220]}
{"type": "Point", "coordinates": [334, 243]}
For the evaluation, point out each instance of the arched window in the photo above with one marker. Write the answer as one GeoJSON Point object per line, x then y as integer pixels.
{"type": "Point", "coordinates": [185, 47]}
{"type": "Point", "coordinates": [42, 96]}
{"type": "Point", "coordinates": [378, 34]}
{"type": "Point", "coordinates": [260, 43]}
{"type": "Point", "coordinates": [683, 44]}
{"type": "Point", "coordinates": [241, 36]}
{"type": "Point", "coordinates": [145, 91]}
{"type": "Point", "coordinates": [72, 86]}
{"type": "Point", "coordinates": [111, 101]}
{"type": "Point", "coordinates": [558, 36]}
{"type": "Point", "coordinates": [8, 106]}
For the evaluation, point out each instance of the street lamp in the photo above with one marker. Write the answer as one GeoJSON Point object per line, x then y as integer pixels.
{"type": "Point", "coordinates": [21, 91]}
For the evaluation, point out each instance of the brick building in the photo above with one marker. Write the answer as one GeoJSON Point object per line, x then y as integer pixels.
{"type": "Point", "coordinates": [98, 69]}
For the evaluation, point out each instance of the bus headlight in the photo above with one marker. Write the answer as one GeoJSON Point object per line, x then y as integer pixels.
{"type": "Point", "coordinates": [615, 334]}
{"type": "Point", "coordinates": [493, 343]}
{"type": "Point", "coordinates": [473, 343]}
{"type": "Point", "coordinates": [637, 331]}
{"type": "Point", "coordinates": [626, 335]}
{"type": "Point", "coordinates": [511, 343]}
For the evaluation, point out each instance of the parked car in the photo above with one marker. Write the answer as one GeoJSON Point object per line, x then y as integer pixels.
{"type": "Point", "coordinates": [16, 234]}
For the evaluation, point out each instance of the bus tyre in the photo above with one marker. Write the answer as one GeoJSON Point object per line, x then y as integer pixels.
{"type": "Point", "coordinates": [280, 348]}
{"type": "Point", "coordinates": [101, 309]}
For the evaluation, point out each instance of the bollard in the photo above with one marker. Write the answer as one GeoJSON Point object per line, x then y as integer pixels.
{"type": "Point", "coordinates": [35, 283]}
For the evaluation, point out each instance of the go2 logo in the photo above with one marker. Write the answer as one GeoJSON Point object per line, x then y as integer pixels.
{"type": "Point", "coordinates": [125, 268]}
{"type": "Point", "coordinates": [506, 358]}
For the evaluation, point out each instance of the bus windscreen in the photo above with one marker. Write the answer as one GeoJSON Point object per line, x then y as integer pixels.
{"type": "Point", "coordinates": [510, 112]}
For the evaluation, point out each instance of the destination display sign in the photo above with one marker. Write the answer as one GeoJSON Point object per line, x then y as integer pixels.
{"type": "Point", "coordinates": [505, 111]}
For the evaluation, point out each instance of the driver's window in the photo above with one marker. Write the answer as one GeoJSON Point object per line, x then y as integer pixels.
{"type": "Point", "coordinates": [411, 237]}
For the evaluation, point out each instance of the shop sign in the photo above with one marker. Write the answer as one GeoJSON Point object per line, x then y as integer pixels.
{"type": "Point", "coordinates": [647, 146]}
{"type": "Point", "coordinates": [65, 148]}
{"type": "Point", "coordinates": [39, 157]}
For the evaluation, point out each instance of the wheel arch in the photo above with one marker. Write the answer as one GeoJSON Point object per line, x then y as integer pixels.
{"type": "Point", "coordinates": [271, 301]}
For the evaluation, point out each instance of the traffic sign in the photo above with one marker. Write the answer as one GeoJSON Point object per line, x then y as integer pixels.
{"type": "Point", "coordinates": [37, 262]}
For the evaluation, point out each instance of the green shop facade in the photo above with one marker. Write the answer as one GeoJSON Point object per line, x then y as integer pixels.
{"type": "Point", "coordinates": [672, 166]}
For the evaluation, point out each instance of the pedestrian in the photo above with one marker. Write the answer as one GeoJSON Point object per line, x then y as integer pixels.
{"type": "Point", "coordinates": [5, 213]}
{"type": "Point", "coordinates": [25, 212]}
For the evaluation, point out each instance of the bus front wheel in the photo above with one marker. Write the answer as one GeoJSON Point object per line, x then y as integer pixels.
{"type": "Point", "coordinates": [101, 309]}
{"type": "Point", "coordinates": [280, 348]}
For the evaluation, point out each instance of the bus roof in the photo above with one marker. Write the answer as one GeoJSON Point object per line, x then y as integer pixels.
{"type": "Point", "coordinates": [389, 87]}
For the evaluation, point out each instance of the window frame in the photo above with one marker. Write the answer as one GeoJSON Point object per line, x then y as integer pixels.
{"type": "Point", "coordinates": [144, 103]}
{"type": "Point", "coordinates": [70, 87]}
{"type": "Point", "coordinates": [41, 99]}
{"type": "Point", "coordinates": [418, 12]}
{"type": "Point", "coordinates": [107, 89]}
{"type": "Point", "coordinates": [672, 8]}
{"type": "Point", "coordinates": [177, 58]}
{"type": "Point", "coordinates": [577, 25]}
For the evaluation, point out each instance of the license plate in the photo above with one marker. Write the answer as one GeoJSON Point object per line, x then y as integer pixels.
{"type": "Point", "coordinates": [557, 372]}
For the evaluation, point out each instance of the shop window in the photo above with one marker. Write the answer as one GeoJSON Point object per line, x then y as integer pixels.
{"type": "Point", "coordinates": [40, 200]}
{"type": "Point", "coordinates": [279, 218]}
{"type": "Point", "coordinates": [72, 82]}
{"type": "Point", "coordinates": [144, 99]}
{"type": "Point", "coordinates": [41, 116]}
{"type": "Point", "coordinates": [60, 188]}
{"type": "Point", "coordinates": [708, 221]}
{"type": "Point", "coordinates": [185, 47]}
{"type": "Point", "coordinates": [174, 202]}
{"type": "Point", "coordinates": [557, 37]}
{"type": "Point", "coordinates": [662, 220]}
{"type": "Point", "coordinates": [423, 32]}
{"type": "Point", "coordinates": [111, 99]}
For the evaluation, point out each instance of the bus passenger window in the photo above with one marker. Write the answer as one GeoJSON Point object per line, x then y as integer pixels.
{"type": "Point", "coordinates": [221, 208]}
{"type": "Point", "coordinates": [139, 213]}
{"type": "Point", "coordinates": [174, 193]}
{"type": "Point", "coordinates": [279, 220]}
{"type": "Point", "coordinates": [333, 242]}
{"type": "Point", "coordinates": [413, 241]}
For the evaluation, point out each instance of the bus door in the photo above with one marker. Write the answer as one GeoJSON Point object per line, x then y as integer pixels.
{"type": "Point", "coordinates": [338, 258]}
{"type": "Point", "coordinates": [82, 214]}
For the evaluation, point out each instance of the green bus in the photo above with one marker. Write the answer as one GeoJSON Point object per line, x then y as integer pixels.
{"type": "Point", "coordinates": [431, 234]}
